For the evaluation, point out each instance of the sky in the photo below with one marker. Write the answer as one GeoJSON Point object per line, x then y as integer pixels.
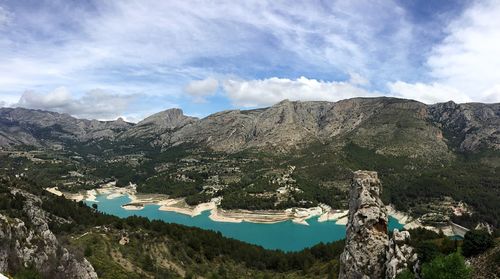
{"type": "Point", "coordinates": [104, 59]}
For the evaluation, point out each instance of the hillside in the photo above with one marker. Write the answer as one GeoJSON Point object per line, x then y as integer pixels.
{"type": "Point", "coordinates": [45, 236]}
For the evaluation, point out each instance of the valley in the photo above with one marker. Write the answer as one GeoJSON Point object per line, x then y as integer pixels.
{"type": "Point", "coordinates": [287, 166]}
{"type": "Point", "coordinates": [441, 159]}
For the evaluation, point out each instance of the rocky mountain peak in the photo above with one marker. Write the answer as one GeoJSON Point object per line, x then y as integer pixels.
{"type": "Point", "coordinates": [469, 126]}
{"type": "Point", "coordinates": [169, 118]}
{"type": "Point", "coordinates": [159, 125]}
{"type": "Point", "coordinates": [285, 102]}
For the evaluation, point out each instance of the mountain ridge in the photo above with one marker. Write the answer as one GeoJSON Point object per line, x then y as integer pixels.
{"type": "Point", "coordinates": [283, 126]}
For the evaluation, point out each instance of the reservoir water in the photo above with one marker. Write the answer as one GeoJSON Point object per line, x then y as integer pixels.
{"type": "Point", "coordinates": [286, 236]}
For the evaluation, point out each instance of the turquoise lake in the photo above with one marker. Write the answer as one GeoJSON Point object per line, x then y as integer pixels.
{"type": "Point", "coordinates": [286, 236]}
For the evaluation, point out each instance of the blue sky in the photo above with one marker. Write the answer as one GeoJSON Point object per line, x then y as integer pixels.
{"type": "Point", "coordinates": [105, 59]}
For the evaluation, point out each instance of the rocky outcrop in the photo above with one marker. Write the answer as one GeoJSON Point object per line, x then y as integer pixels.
{"type": "Point", "coordinates": [368, 252]}
{"type": "Point", "coordinates": [159, 126]}
{"type": "Point", "coordinates": [364, 255]}
{"type": "Point", "coordinates": [400, 255]}
{"type": "Point", "coordinates": [33, 244]}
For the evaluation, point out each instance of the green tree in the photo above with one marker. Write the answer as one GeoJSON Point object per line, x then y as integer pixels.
{"type": "Point", "coordinates": [448, 267]}
{"type": "Point", "coordinates": [28, 273]}
{"type": "Point", "coordinates": [88, 251]}
{"type": "Point", "coordinates": [427, 251]}
{"type": "Point", "coordinates": [476, 242]}
{"type": "Point", "coordinates": [405, 274]}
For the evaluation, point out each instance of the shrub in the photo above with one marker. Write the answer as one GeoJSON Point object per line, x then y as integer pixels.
{"type": "Point", "coordinates": [448, 267]}
{"type": "Point", "coordinates": [427, 251]}
{"type": "Point", "coordinates": [405, 274]}
{"type": "Point", "coordinates": [476, 242]}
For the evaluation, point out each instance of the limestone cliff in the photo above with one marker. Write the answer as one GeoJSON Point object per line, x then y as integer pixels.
{"type": "Point", "coordinates": [30, 243]}
{"type": "Point", "coordinates": [369, 253]}
{"type": "Point", "coordinates": [366, 238]}
{"type": "Point", "coordinates": [400, 255]}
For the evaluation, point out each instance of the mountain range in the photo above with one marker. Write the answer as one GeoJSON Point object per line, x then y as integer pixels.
{"type": "Point", "coordinates": [388, 125]}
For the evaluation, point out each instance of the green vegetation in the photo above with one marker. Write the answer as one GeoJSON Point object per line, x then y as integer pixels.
{"type": "Point", "coordinates": [476, 242]}
{"type": "Point", "coordinates": [165, 250]}
{"type": "Point", "coordinates": [406, 274]}
{"type": "Point", "coordinates": [446, 267]}
{"type": "Point", "coordinates": [27, 273]}
{"type": "Point", "coordinates": [430, 245]}
{"type": "Point", "coordinates": [194, 250]}
{"type": "Point", "coordinates": [247, 179]}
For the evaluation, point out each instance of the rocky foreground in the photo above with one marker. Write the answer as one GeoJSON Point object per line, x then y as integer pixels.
{"type": "Point", "coordinates": [369, 251]}
{"type": "Point", "coordinates": [34, 245]}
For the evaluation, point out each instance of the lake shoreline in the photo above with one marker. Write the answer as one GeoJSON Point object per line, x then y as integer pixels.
{"type": "Point", "coordinates": [137, 202]}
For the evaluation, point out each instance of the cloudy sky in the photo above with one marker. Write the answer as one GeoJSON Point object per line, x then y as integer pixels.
{"type": "Point", "coordinates": [103, 58]}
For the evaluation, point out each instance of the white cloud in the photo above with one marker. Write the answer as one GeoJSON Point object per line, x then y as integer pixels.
{"type": "Point", "coordinates": [426, 93]}
{"type": "Point", "coordinates": [58, 98]}
{"type": "Point", "coordinates": [93, 104]}
{"type": "Point", "coordinates": [199, 89]}
{"type": "Point", "coordinates": [358, 79]}
{"type": "Point", "coordinates": [8, 99]}
{"type": "Point", "coordinates": [3, 104]}
{"type": "Point", "coordinates": [465, 65]}
{"type": "Point", "coordinates": [155, 48]}
{"type": "Point", "coordinates": [471, 50]}
{"type": "Point", "coordinates": [170, 42]}
{"type": "Point", "coordinates": [265, 92]}
{"type": "Point", "coordinates": [468, 59]}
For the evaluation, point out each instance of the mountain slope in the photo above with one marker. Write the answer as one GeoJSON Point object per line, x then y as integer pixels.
{"type": "Point", "coordinates": [19, 126]}
{"type": "Point", "coordinates": [389, 125]}
{"type": "Point", "coordinates": [158, 126]}
{"type": "Point", "coordinates": [469, 126]}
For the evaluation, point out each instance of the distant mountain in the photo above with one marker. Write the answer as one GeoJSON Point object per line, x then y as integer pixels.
{"type": "Point", "coordinates": [159, 124]}
{"type": "Point", "coordinates": [468, 126]}
{"type": "Point", "coordinates": [388, 125]}
{"type": "Point", "coordinates": [19, 126]}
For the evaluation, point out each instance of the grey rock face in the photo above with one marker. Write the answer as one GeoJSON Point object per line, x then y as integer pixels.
{"type": "Point", "coordinates": [471, 126]}
{"type": "Point", "coordinates": [43, 128]}
{"type": "Point", "coordinates": [369, 253]}
{"type": "Point", "coordinates": [34, 244]}
{"type": "Point", "coordinates": [400, 255]}
{"type": "Point", "coordinates": [364, 255]}
{"type": "Point", "coordinates": [160, 125]}
{"type": "Point", "coordinates": [283, 126]}
{"type": "Point", "coordinates": [387, 125]}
